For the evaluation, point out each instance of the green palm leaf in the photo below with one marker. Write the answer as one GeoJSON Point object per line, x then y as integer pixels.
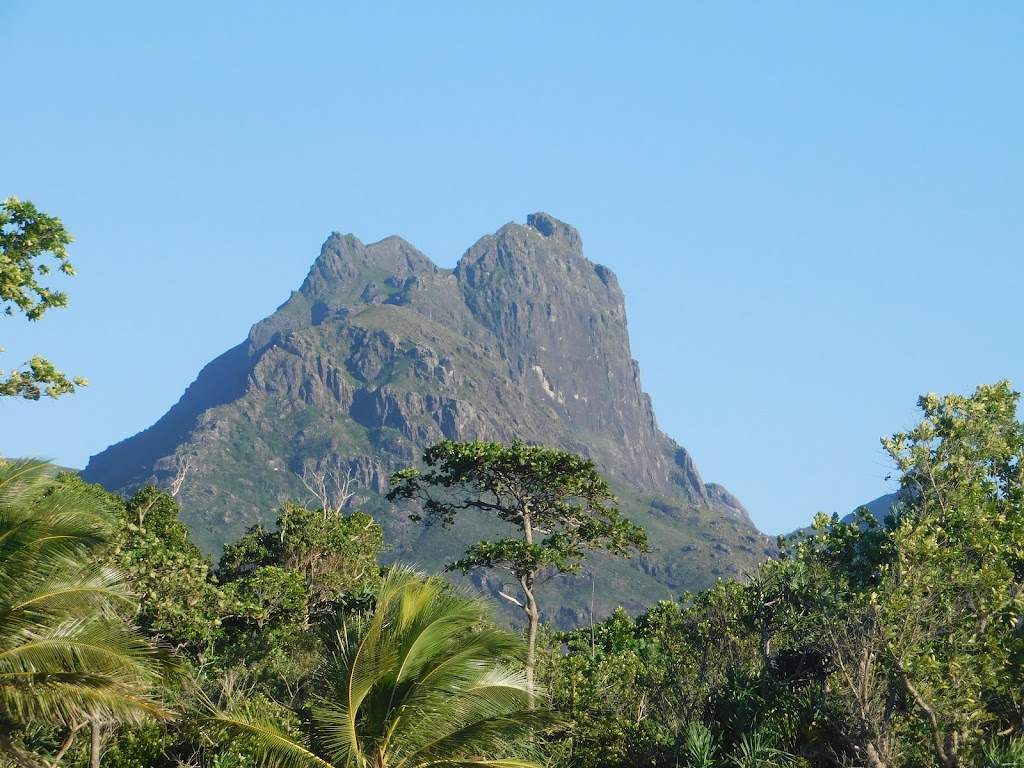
{"type": "Point", "coordinates": [427, 680]}
{"type": "Point", "coordinates": [65, 655]}
{"type": "Point", "coordinates": [275, 747]}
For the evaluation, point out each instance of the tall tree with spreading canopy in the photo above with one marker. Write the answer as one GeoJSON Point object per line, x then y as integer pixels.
{"type": "Point", "coordinates": [27, 237]}
{"type": "Point", "coordinates": [560, 504]}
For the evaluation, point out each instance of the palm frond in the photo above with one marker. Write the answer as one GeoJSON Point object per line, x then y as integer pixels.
{"type": "Point", "coordinates": [64, 652]}
{"type": "Point", "coordinates": [482, 739]}
{"type": "Point", "coordinates": [76, 589]}
{"type": "Point", "coordinates": [423, 681]}
{"type": "Point", "coordinates": [67, 670]}
{"type": "Point", "coordinates": [276, 749]}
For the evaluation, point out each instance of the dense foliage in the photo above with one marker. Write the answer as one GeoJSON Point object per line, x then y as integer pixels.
{"type": "Point", "coordinates": [866, 643]}
{"type": "Point", "coordinates": [29, 242]}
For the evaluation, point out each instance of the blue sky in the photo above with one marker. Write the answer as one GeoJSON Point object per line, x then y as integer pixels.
{"type": "Point", "coordinates": [814, 209]}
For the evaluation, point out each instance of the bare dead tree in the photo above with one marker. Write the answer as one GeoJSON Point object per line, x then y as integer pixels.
{"type": "Point", "coordinates": [328, 489]}
{"type": "Point", "coordinates": [856, 644]}
{"type": "Point", "coordinates": [181, 473]}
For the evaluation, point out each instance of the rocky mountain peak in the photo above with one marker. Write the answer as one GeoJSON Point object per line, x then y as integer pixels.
{"type": "Point", "coordinates": [345, 260]}
{"type": "Point", "coordinates": [380, 354]}
{"type": "Point", "coordinates": [559, 321]}
{"type": "Point", "coordinates": [549, 226]}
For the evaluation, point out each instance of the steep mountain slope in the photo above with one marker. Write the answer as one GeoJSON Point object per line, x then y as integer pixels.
{"type": "Point", "coordinates": [381, 353]}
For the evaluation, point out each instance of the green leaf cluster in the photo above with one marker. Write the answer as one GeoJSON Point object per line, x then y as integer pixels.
{"type": "Point", "coordinates": [333, 556]}
{"type": "Point", "coordinates": [29, 241]}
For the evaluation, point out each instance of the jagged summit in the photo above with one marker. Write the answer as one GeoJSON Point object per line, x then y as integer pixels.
{"type": "Point", "coordinates": [549, 226]}
{"type": "Point", "coordinates": [380, 353]}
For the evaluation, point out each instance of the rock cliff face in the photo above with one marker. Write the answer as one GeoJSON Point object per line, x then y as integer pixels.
{"type": "Point", "coordinates": [559, 324]}
{"type": "Point", "coordinates": [381, 353]}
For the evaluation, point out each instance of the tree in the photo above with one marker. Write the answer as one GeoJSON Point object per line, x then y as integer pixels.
{"type": "Point", "coordinates": [335, 555]}
{"type": "Point", "coordinates": [953, 594]}
{"type": "Point", "coordinates": [557, 500]}
{"type": "Point", "coordinates": [317, 566]}
{"type": "Point", "coordinates": [181, 605]}
{"type": "Point", "coordinates": [66, 658]}
{"type": "Point", "coordinates": [846, 561]}
{"type": "Point", "coordinates": [426, 680]}
{"type": "Point", "coordinates": [921, 617]}
{"type": "Point", "coordinates": [26, 236]}
{"type": "Point", "coordinates": [610, 689]}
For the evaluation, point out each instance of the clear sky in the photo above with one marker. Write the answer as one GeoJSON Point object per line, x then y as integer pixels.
{"type": "Point", "coordinates": [816, 210]}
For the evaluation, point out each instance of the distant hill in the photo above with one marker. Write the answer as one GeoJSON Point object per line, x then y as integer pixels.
{"type": "Point", "coordinates": [879, 507]}
{"type": "Point", "coordinates": [380, 354]}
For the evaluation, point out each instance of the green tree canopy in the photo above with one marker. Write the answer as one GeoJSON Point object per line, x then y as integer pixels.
{"type": "Point", "coordinates": [951, 599]}
{"type": "Point", "coordinates": [316, 566]}
{"type": "Point", "coordinates": [558, 501]}
{"type": "Point", "coordinates": [27, 237]}
{"type": "Point", "coordinates": [921, 617]}
{"type": "Point", "coordinates": [334, 555]}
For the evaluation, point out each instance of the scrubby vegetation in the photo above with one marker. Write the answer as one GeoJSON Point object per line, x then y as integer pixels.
{"type": "Point", "coordinates": [865, 643]}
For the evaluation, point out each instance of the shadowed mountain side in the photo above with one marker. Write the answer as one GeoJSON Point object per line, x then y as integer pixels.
{"type": "Point", "coordinates": [130, 463]}
{"type": "Point", "coordinates": [879, 507]}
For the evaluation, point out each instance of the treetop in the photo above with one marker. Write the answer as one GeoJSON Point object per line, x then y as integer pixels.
{"type": "Point", "coordinates": [26, 234]}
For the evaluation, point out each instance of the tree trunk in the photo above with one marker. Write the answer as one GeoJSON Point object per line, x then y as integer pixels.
{"type": "Point", "coordinates": [66, 745]}
{"type": "Point", "coordinates": [7, 748]}
{"type": "Point", "coordinates": [533, 616]}
{"type": "Point", "coordinates": [874, 759]}
{"type": "Point", "coordinates": [94, 750]}
{"type": "Point", "coordinates": [526, 581]}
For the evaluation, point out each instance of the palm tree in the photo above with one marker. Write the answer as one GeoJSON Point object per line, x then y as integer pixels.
{"type": "Point", "coordinates": [66, 657]}
{"type": "Point", "coordinates": [427, 680]}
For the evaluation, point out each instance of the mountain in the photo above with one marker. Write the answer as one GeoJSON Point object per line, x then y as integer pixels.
{"type": "Point", "coordinates": [380, 353]}
{"type": "Point", "coordinates": [880, 507]}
